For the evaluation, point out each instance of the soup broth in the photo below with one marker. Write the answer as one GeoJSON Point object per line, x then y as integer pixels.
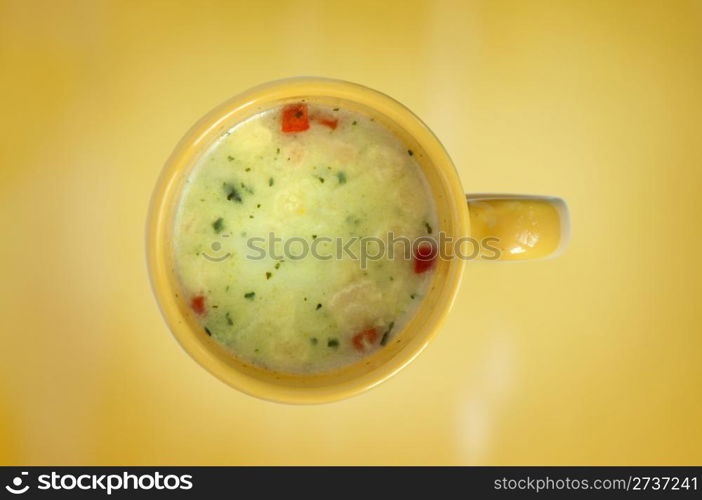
{"type": "Point", "coordinates": [262, 224]}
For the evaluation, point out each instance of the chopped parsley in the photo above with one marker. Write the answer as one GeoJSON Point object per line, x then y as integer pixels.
{"type": "Point", "coordinates": [352, 219]}
{"type": "Point", "coordinates": [410, 152]}
{"type": "Point", "coordinates": [218, 225]}
{"type": "Point", "coordinates": [250, 295]}
{"type": "Point", "coordinates": [232, 193]}
{"type": "Point", "coordinates": [342, 177]}
{"type": "Point", "coordinates": [386, 335]}
{"type": "Point", "coordinates": [268, 275]}
{"type": "Point", "coordinates": [319, 306]}
{"type": "Point", "coordinates": [332, 342]}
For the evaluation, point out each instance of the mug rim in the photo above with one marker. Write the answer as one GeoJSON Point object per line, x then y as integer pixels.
{"type": "Point", "coordinates": [211, 125]}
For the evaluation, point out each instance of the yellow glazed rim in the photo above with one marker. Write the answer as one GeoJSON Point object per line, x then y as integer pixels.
{"type": "Point", "coordinates": [407, 344]}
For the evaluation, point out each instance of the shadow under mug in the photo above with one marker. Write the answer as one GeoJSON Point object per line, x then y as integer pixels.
{"type": "Point", "coordinates": [520, 227]}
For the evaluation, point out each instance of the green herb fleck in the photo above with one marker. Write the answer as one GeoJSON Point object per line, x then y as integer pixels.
{"type": "Point", "coordinates": [336, 109]}
{"type": "Point", "coordinates": [429, 228]}
{"type": "Point", "coordinates": [208, 332]}
{"type": "Point", "coordinates": [314, 236]}
{"type": "Point", "coordinates": [230, 158]}
{"type": "Point", "coordinates": [332, 342]}
{"type": "Point", "coordinates": [410, 152]}
{"type": "Point", "coordinates": [314, 341]}
{"type": "Point", "coordinates": [413, 296]}
{"type": "Point", "coordinates": [218, 225]}
{"type": "Point", "coordinates": [321, 179]}
{"type": "Point", "coordinates": [229, 319]}
{"type": "Point", "coordinates": [277, 151]}
{"type": "Point", "coordinates": [250, 295]}
{"type": "Point", "coordinates": [342, 177]}
{"type": "Point", "coordinates": [270, 181]}
{"type": "Point", "coordinates": [354, 122]}
{"type": "Point", "coordinates": [233, 193]}
{"type": "Point", "coordinates": [268, 275]}
{"type": "Point", "coordinates": [352, 219]}
{"type": "Point", "coordinates": [386, 335]}
{"type": "Point", "coordinates": [247, 169]}
{"type": "Point", "coordinates": [319, 306]}
{"type": "Point", "coordinates": [277, 265]}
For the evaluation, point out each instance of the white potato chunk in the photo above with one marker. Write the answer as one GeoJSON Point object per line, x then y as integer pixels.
{"type": "Point", "coordinates": [355, 306]}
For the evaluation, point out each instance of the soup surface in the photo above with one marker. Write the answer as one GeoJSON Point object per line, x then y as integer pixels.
{"type": "Point", "coordinates": [283, 238]}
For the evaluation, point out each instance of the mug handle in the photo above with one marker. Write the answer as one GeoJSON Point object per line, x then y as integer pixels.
{"type": "Point", "coordinates": [522, 227]}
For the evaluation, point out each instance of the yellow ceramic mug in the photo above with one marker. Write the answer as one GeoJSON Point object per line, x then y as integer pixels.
{"type": "Point", "coordinates": [521, 227]}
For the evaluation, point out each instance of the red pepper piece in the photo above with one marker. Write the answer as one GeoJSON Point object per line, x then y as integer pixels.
{"type": "Point", "coordinates": [328, 122]}
{"type": "Point", "coordinates": [295, 118]}
{"type": "Point", "coordinates": [365, 339]}
{"type": "Point", "coordinates": [198, 305]}
{"type": "Point", "coordinates": [424, 257]}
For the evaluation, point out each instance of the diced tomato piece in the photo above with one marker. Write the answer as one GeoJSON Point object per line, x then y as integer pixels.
{"type": "Point", "coordinates": [295, 118]}
{"type": "Point", "coordinates": [424, 257]}
{"type": "Point", "coordinates": [365, 339]}
{"type": "Point", "coordinates": [198, 305]}
{"type": "Point", "coordinates": [332, 123]}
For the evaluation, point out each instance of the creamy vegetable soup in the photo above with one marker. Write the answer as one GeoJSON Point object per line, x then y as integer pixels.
{"type": "Point", "coordinates": [261, 226]}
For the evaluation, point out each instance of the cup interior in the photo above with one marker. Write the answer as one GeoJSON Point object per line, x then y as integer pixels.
{"type": "Point", "coordinates": [450, 206]}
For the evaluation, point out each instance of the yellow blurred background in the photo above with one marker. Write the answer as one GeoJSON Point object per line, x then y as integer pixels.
{"type": "Point", "coordinates": [592, 358]}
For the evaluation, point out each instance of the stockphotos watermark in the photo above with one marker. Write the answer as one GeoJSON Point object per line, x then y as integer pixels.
{"type": "Point", "coordinates": [106, 483]}
{"type": "Point", "coordinates": [363, 249]}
